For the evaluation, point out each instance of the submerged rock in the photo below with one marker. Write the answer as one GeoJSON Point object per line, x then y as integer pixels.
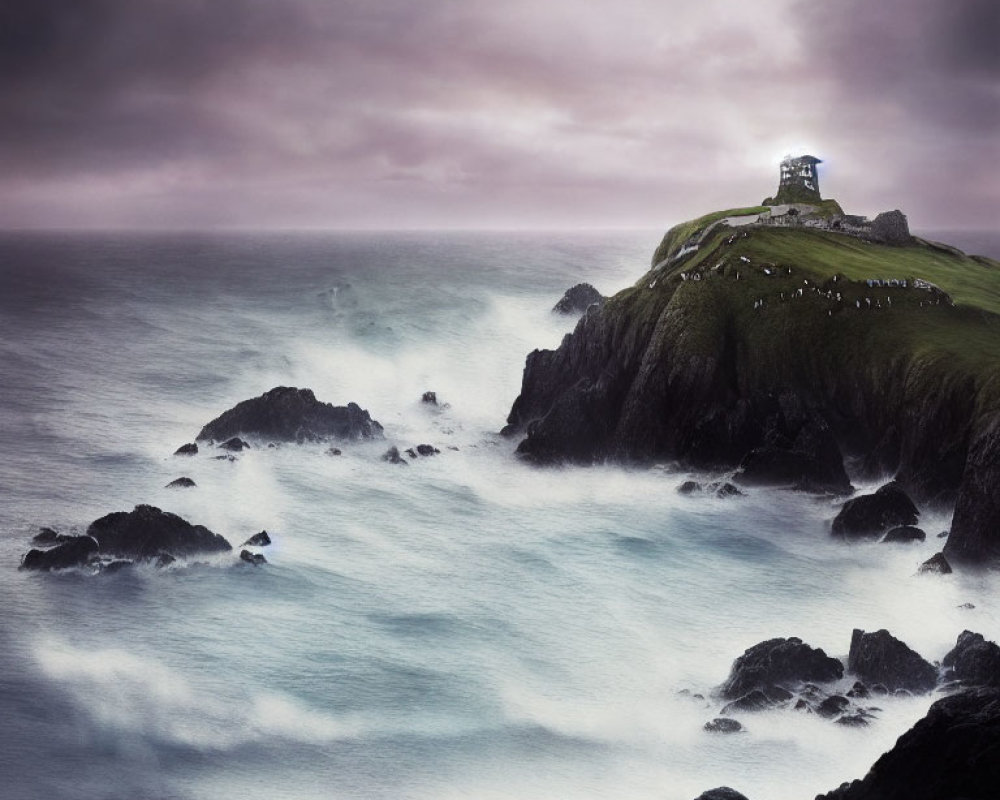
{"type": "Point", "coordinates": [48, 537]}
{"type": "Point", "coordinates": [392, 456]}
{"type": "Point", "coordinates": [189, 449]}
{"type": "Point", "coordinates": [833, 706]}
{"type": "Point", "coordinates": [759, 700]}
{"type": "Point", "coordinates": [146, 532]}
{"type": "Point", "coordinates": [288, 414]}
{"type": "Point", "coordinates": [904, 534]}
{"type": "Point", "coordinates": [973, 660]}
{"type": "Point", "coordinates": [937, 563]}
{"type": "Point", "coordinates": [950, 754]}
{"type": "Point", "coordinates": [110, 567]}
{"type": "Point", "coordinates": [181, 483]}
{"type": "Point", "coordinates": [723, 725]}
{"type": "Point", "coordinates": [75, 551]}
{"type": "Point", "coordinates": [880, 657]}
{"type": "Point", "coordinates": [871, 514]}
{"type": "Point", "coordinates": [777, 662]}
{"type": "Point", "coordinates": [578, 299]}
{"type": "Point", "coordinates": [236, 444]}
{"type": "Point", "coordinates": [856, 720]}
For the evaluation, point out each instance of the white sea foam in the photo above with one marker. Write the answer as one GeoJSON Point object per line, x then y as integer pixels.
{"type": "Point", "coordinates": [465, 626]}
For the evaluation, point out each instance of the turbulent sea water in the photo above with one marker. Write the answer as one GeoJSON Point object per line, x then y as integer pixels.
{"type": "Point", "coordinates": [464, 627]}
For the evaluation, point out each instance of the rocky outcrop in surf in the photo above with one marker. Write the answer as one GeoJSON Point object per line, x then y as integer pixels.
{"type": "Point", "coordinates": [752, 352]}
{"type": "Point", "coordinates": [780, 661]}
{"type": "Point", "coordinates": [950, 753]}
{"type": "Point", "coordinates": [288, 414]}
{"type": "Point", "coordinates": [578, 299]}
{"type": "Point", "coordinates": [144, 534]}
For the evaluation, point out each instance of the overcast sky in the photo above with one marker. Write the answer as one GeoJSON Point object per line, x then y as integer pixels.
{"type": "Point", "coordinates": [490, 113]}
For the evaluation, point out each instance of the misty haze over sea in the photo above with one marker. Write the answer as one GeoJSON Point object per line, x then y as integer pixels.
{"type": "Point", "coordinates": [463, 627]}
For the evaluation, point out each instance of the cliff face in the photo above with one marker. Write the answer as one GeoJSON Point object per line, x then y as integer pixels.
{"type": "Point", "coordinates": [761, 336]}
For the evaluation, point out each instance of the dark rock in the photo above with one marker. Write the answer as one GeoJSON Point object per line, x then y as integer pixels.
{"type": "Point", "coordinates": [333, 451]}
{"type": "Point", "coordinates": [859, 690]}
{"type": "Point", "coordinates": [937, 563]}
{"type": "Point", "coordinates": [47, 536]}
{"type": "Point", "coordinates": [880, 657]}
{"type": "Point", "coordinates": [853, 720]}
{"type": "Point", "coordinates": [236, 444]}
{"type": "Point", "coordinates": [723, 725]}
{"type": "Point", "coordinates": [943, 535]}
{"type": "Point", "coordinates": [722, 793]}
{"type": "Point", "coordinates": [430, 398]}
{"type": "Point", "coordinates": [803, 705]}
{"type": "Point", "coordinates": [975, 526]}
{"type": "Point", "coordinates": [689, 487]}
{"type": "Point", "coordinates": [951, 754]}
{"type": "Point", "coordinates": [578, 299]}
{"type": "Point", "coordinates": [891, 227]}
{"type": "Point", "coordinates": [780, 661]}
{"type": "Point", "coordinates": [871, 514]}
{"type": "Point", "coordinates": [966, 606]}
{"type": "Point", "coordinates": [229, 458]}
{"type": "Point", "coordinates": [904, 534]}
{"type": "Point", "coordinates": [411, 452]}
{"type": "Point", "coordinates": [880, 689]}
{"type": "Point", "coordinates": [110, 567]}
{"type": "Point", "coordinates": [393, 457]}
{"type": "Point", "coordinates": [252, 558]}
{"type": "Point", "coordinates": [759, 700]}
{"type": "Point", "coordinates": [725, 489]}
{"type": "Point", "coordinates": [427, 450]}
{"type": "Point", "coordinates": [287, 414]}
{"type": "Point", "coordinates": [257, 540]}
{"type": "Point", "coordinates": [146, 532]}
{"type": "Point", "coordinates": [974, 661]}
{"type": "Point", "coordinates": [810, 462]}
{"type": "Point", "coordinates": [833, 705]}
{"type": "Point", "coordinates": [74, 552]}
{"type": "Point", "coordinates": [181, 483]}
{"type": "Point", "coordinates": [189, 449]}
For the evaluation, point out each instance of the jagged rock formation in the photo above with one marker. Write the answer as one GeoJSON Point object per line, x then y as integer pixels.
{"type": "Point", "coordinates": [578, 299]}
{"type": "Point", "coordinates": [951, 754]}
{"type": "Point", "coordinates": [973, 661]}
{"type": "Point", "coordinates": [287, 414]}
{"type": "Point", "coordinates": [146, 531]}
{"type": "Point", "coordinates": [118, 539]}
{"type": "Point", "coordinates": [880, 657]}
{"type": "Point", "coordinates": [779, 662]}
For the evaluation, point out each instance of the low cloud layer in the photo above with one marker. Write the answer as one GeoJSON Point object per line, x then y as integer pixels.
{"type": "Point", "coordinates": [463, 113]}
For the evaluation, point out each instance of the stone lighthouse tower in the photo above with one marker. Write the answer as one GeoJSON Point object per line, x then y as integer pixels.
{"type": "Point", "coordinates": [799, 182]}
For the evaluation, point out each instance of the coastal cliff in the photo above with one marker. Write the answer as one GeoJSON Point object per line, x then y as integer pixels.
{"type": "Point", "coordinates": [746, 338]}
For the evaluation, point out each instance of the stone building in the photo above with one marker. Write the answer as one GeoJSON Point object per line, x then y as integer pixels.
{"type": "Point", "coordinates": [799, 182]}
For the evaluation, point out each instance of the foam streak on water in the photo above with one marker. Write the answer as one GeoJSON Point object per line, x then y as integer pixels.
{"type": "Point", "coordinates": [463, 627]}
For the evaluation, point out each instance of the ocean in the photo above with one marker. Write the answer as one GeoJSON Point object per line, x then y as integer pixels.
{"type": "Point", "coordinates": [466, 626]}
